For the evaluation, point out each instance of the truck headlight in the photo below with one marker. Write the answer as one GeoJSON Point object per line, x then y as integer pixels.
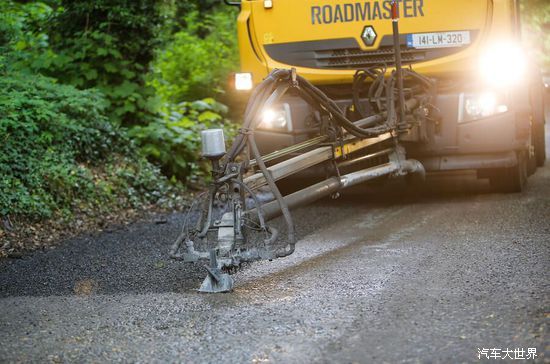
{"type": "Point", "coordinates": [503, 64]}
{"type": "Point", "coordinates": [277, 119]}
{"type": "Point", "coordinates": [481, 105]}
{"type": "Point", "coordinates": [243, 81]}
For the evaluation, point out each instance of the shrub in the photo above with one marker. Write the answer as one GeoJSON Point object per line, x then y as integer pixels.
{"type": "Point", "coordinates": [102, 44]}
{"type": "Point", "coordinates": [174, 140]}
{"type": "Point", "coordinates": [196, 63]}
{"type": "Point", "coordinates": [536, 36]}
{"type": "Point", "coordinates": [22, 38]}
{"type": "Point", "coordinates": [59, 152]}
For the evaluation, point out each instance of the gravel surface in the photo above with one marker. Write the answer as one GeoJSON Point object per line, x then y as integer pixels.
{"type": "Point", "coordinates": [425, 275]}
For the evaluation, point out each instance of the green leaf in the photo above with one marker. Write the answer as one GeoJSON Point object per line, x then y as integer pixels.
{"type": "Point", "coordinates": [125, 89]}
{"type": "Point", "coordinates": [201, 105]}
{"type": "Point", "coordinates": [110, 67]}
{"type": "Point", "coordinates": [209, 116]}
{"type": "Point", "coordinates": [102, 51]}
{"type": "Point", "coordinates": [91, 74]}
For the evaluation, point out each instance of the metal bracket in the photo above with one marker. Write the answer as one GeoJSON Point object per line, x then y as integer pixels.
{"type": "Point", "coordinates": [397, 157]}
{"type": "Point", "coordinates": [216, 281]}
{"type": "Point", "coordinates": [294, 77]}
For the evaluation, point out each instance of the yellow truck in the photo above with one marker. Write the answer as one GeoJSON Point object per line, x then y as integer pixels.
{"type": "Point", "coordinates": [347, 92]}
{"type": "Point", "coordinates": [488, 107]}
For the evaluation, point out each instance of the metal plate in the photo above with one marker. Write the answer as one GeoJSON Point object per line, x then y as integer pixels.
{"type": "Point", "coordinates": [439, 40]}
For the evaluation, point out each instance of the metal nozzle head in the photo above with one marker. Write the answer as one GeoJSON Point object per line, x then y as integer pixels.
{"type": "Point", "coordinates": [213, 143]}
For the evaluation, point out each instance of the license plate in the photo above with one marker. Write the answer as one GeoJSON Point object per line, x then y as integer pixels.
{"type": "Point", "coordinates": [438, 40]}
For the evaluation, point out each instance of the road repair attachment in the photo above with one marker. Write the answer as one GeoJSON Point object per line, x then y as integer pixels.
{"type": "Point", "coordinates": [228, 224]}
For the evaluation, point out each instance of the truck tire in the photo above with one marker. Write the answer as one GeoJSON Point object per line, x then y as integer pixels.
{"type": "Point", "coordinates": [511, 179]}
{"type": "Point", "coordinates": [539, 142]}
{"type": "Point", "coordinates": [538, 135]}
{"type": "Point", "coordinates": [531, 164]}
{"type": "Point", "coordinates": [531, 156]}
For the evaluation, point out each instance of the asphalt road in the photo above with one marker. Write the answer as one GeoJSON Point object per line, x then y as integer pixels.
{"type": "Point", "coordinates": [394, 275]}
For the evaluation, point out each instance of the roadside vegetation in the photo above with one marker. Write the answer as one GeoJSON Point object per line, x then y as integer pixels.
{"type": "Point", "coordinates": [102, 102]}
{"type": "Point", "coordinates": [536, 30]}
{"type": "Point", "coordinates": [101, 105]}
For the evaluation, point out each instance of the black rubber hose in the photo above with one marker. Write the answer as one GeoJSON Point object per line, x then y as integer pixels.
{"type": "Point", "coordinates": [390, 99]}
{"type": "Point", "coordinates": [340, 119]}
{"type": "Point", "coordinates": [378, 91]}
{"type": "Point", "coordinates": [278, 196]}
{"type": "Point", "coordinates": [358, 80]}
{"type": "Point", "coordinates": [375, 101]}
{"type": "Point", "coordinates": [356, 88]}
{"type": "Point", "coordinates": [321, 97]}
{"type": "Point", "coordinates": [203, 226]}
{"type": "Point", "coordinates": [266, 89]}
{"type": "Point", "coordinates": [423, 79]}
{"type": "Point", "coordinates": [257, 99]}
{"type": "Point", "coordinates": [259, 205]}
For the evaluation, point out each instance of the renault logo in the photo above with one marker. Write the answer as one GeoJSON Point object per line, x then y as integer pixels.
{"type": "Point", "coordinates": [368, 35]}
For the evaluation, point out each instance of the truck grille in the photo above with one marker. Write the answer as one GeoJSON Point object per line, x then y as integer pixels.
{"type": "Point", "coordinates": [345, 53]}
{"type": "Point", "coordinates": [357, 58]}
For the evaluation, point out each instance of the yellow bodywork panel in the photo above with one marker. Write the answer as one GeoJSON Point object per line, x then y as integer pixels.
{"type": "Point", "coordinates": [292, 21]}
{"type": "Point", "coordinates": [354, 145]}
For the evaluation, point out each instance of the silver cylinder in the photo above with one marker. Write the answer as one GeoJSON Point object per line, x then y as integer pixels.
{"type": "Point", "coordinates": [213, 143]}
{"type": "Point", "coordinates": [334, 184]}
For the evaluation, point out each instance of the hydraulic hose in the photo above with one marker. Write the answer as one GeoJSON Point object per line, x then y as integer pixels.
{"type": "Point", "coordinates": [258, 98]}
{"type": "Point", "coordinates": [335, 112]}
{"type": "Point", "coordinates": [279, 197]}
{"type": "Point", "coordinates": [270, 90]}
{"type": "Point", "coordinates": [358, 79]}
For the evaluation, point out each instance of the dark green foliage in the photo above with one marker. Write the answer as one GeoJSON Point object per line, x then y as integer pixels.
{"type": "Point", "coordinates": [64, 150]}
{"type": "Point", "coordinates": [174, 141]}
{"type": "Point", "coordinates": [105, 44]}
{"type": "Point", "coordinates": [197, 61]}
{"type": "Point", "coordinates": [22, 38]}
{"type": "Point", "coordinates": [194, 63]}
{"type": "Point", "coordinates": [108, 45]}
{"type": "Point", "coordinates": [175, 14]}
{"type": "Point", "coordinates": [536, 32]}
{"type": "Point", "coordinates": [59, 153]}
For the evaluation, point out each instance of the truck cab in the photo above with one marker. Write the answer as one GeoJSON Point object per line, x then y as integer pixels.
{"type": "Point", "coordinates": [487, 104]}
